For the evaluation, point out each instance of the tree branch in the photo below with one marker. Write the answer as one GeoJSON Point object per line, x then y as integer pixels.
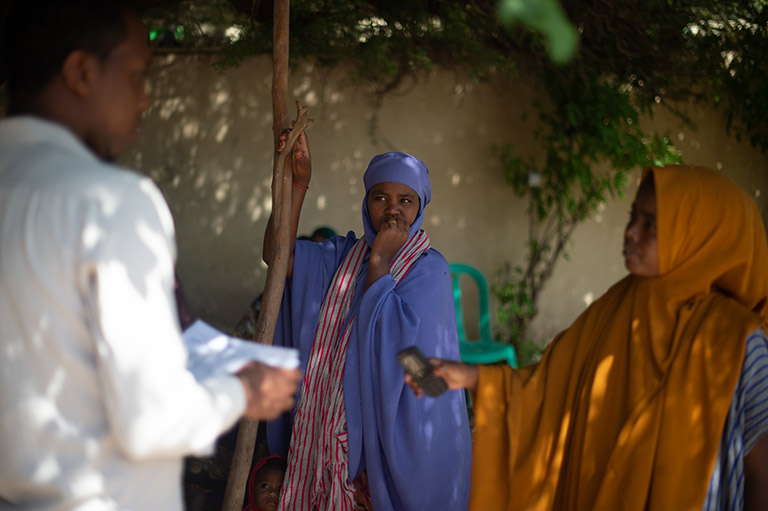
{"type": "Point", "coordinates": [282, 175]}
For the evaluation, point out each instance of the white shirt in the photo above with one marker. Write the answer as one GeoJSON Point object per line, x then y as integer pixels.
{"type": "Point", "coordinates": [97, 408]}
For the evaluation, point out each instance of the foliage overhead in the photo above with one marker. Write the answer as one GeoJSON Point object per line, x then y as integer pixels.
{"type": "Point", "coordinates": [659, 50]}
{"type": "Point", "coordinates": [547, 18]}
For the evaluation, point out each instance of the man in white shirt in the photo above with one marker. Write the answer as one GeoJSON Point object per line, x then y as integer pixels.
{"type": "Point", "coordinates": [97, 408]}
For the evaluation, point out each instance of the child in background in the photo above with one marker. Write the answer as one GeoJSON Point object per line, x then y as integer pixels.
{"type": "Point", "coordinates": [264, 484]}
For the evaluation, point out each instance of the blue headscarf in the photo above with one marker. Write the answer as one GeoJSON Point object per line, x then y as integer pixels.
{"type": "Point", "coordinates": [396, 168]}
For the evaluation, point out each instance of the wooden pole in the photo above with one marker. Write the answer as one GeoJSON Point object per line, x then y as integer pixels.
{"type": "Point", "coordinates": [282, 176]}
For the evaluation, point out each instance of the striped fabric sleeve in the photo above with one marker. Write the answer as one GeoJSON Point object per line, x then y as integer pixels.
{"type": "Point", "coordinates": [756, 409]}
{"type": "Point", "coordinates": [747, 423]}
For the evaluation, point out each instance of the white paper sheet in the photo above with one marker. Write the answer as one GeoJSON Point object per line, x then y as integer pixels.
{"type": "Point", "coordinates": [212, 353]}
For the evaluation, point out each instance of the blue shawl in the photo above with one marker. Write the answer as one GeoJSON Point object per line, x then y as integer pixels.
{"type": "Point", "coordinates": [416, 452]}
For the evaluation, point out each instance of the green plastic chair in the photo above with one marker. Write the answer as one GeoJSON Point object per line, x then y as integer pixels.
{"type": "Point", "coordinates": [484, 350]}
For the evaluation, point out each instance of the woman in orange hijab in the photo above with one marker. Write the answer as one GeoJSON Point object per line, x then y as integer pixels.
{"type": "Point", "coordinates": [656, 398]}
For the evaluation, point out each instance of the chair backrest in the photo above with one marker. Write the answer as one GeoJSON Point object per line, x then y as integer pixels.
{"type": "Point", "coordinates": [484, 322]}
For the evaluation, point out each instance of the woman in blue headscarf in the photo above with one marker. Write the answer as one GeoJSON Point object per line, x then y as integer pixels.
{"type": "Point", "coordinates": [349, 306]}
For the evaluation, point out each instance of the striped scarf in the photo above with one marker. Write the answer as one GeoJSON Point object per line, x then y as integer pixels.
{"type": "Point", "coordinates": [317, 477]}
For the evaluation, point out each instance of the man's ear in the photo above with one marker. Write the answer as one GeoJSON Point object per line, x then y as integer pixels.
{"type": "Point", "coordinates": [79, 71]}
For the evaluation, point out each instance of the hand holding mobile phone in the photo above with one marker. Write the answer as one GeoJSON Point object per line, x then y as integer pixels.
{"type": "Point", "coordinates": [421, 370]}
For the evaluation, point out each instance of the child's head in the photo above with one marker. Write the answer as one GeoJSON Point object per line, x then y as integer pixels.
{"type": "Point", "coordinates": [322, 233]}
{"type": "Point", "coordinates": [641, 251]}
{"type": "Point", "coordinates": [265, 483]}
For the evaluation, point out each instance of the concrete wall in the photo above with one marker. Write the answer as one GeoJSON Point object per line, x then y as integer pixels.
{"type": "Point", "coordinates": [207, 142]}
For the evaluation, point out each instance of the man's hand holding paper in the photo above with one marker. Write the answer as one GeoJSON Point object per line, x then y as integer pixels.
{"type": "Point", "coordinates": [269, 390]}
{"type": "Point", "coordinates": [269, 374]}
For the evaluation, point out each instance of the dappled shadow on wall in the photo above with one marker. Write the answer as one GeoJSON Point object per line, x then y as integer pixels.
{"type": "Point", "coordinates": [207, 144]}
{"type": "Point", "coordinates": [207, 141]}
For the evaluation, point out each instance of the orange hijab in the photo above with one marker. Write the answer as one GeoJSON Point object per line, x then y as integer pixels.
{"type": "Point", "coordinates": [626, 408]}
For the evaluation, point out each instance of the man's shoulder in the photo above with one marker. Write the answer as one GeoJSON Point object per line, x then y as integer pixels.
{"type": "Point", "coordinates": [98, 177]}
{"type": "Point", "coordinates": [72, 181]}
{"type": "Point", "coordinates": [41, 154]}
{"type": "Point", "coordinates": [93, 175]}
{"type": "Point", "coordinates": [99, 181]}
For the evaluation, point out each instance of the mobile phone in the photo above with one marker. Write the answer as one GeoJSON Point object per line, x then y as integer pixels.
{"type": "Point", "coordinates": [421, 370]}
